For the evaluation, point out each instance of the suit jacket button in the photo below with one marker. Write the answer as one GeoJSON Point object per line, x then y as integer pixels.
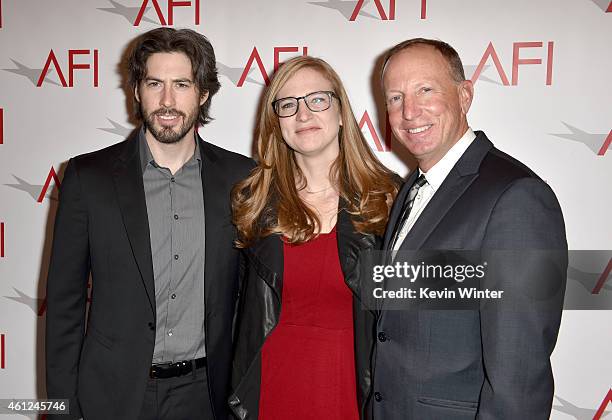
{"type": "Point", "coordinates": [378, 397]}
{"type": "Point", "coordinates": [151, 326]}
{"type": "Point", "coordinates": [382, 337]}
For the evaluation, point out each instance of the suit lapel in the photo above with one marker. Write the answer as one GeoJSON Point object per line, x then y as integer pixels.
{"type": "Point", "coordinates": [127, 176]}
{"type": "Point", "coordinates": [214, 213]}
{"type": "Point", "coordinates": [456, 183]}
{"type": "Point", "coordinates": [451, 189]}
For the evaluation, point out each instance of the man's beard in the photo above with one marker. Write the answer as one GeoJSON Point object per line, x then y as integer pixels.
{"type": "Point", "coordinates": [167, 135]}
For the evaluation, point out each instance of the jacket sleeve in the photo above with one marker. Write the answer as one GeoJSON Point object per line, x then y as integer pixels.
{"type": "Point", "coordinates": [241, 275]}
{"type": "Point", "coordinates": [67, 292]}
{"type": "Point", "coordinates": [528, 261]}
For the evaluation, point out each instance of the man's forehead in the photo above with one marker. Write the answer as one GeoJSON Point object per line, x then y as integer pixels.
{"type": "Point", "coordinates": [419, 53]}
{"type": "Point", "coordinates": [424, 59]}
{"type": "Point", "coordinates": [169, 60]}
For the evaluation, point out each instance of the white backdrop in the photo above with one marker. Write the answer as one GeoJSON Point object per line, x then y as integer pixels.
{"type": "Point", "coordinates": [542, 78]}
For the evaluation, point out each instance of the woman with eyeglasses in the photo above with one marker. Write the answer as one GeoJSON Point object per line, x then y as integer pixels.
{"type": "Point", "coordinates": [318, 198]}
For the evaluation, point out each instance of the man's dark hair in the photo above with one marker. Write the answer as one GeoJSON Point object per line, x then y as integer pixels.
{"type": "Point", "coordinates": [168, 40]}
{"type": "Point", "coordinates": [454, 62]}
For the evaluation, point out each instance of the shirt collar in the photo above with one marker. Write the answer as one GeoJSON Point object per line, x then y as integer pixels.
{"type": "Point", "coordinates": [438, 173]}
{"type": "Point", "coordinates": [146, 156]}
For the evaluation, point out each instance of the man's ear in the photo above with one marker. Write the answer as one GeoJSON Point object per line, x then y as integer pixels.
{"type": "Point", "coordinates": [466, 94]}
{"type": "Point", "coordinates": [136, 95]}
{"type": "Point", "coordinates": [203, 97]}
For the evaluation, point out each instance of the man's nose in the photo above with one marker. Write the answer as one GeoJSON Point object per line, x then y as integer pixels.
{"type": "Point", "coordinates": [167, 98]}
{"type": "Point", "coordinates": [410, 109]}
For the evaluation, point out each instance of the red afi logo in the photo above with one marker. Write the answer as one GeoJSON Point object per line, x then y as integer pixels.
{"type": "Point", "coordinates": [604, 147]}
{"type": "Point", "coordinates": [72, 66]}
{"type": "Point", "coordinates": [516, 61]}
{"type": "Point", "coordinates": [2, 352]}
{"type": "Point", "coordinates": [602, 278]}
{"type": "Point", "coordinates": [379, 8]}
{"type": "Point", "coordinates": [609, 10]}
{"type": "Point", "coordinates": [1, 124]}
{"type": "Point", "coordinates": [381, 11]}
{"type": "Point", "coordinates": [51, 176]}
{"type": "Point", "coordinates": [2, 240]}
{"type": "Point", "coordinates": [607, 399]}
{"type": "Point", "coordinates": [257, 58]}
{"type": "Point", "coordinates": [171, 5]}
{"type": "Point", "coordinates": [380, 146]}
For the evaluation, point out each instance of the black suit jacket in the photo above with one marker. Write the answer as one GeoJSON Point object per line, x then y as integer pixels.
{"type": "Point", "coordinates": [102, 228]}
{"type": "Point", "coordinates": [492, 362]}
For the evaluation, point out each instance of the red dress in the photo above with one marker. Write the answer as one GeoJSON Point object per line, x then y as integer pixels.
{"type": "Point", "coordinates": [308, 361]}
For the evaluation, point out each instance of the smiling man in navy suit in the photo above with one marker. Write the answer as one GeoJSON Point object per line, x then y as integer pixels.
{"type": "Point", "coordinates": [491, 362]}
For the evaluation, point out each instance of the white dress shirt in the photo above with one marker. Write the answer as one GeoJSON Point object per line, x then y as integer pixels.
{"type": "Point", "coordinates": [435, 177]}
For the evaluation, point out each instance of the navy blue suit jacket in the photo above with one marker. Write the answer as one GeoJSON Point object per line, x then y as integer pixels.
{"type": "Point", "coordinates": [492, 362]}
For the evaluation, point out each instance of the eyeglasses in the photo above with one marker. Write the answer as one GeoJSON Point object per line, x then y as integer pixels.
{"type": "Point", "coordinates": [315, 101]}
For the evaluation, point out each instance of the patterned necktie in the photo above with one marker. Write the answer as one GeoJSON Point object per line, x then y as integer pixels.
{"type": "Point", "coordinates": [421, 180]}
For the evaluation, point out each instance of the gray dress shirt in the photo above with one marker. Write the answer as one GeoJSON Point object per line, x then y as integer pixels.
{"type": "Point", "coordinates": [175, 209]}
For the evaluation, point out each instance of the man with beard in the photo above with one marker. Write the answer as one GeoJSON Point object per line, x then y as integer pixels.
{"type": "Point", "coordinates": [149, 219]}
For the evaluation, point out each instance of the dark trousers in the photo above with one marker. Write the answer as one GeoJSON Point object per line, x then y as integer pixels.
{"type": "Point", "coordinates": [180, 398]}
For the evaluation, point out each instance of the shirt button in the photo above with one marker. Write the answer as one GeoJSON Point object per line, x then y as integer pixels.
{"type": "Point", "coordinates": [172, 179]}
{"type": "Point", "coordinates": [176, 217]}
{"type": "Point", "coordinates": [378, 397]}
{"type": "Point", "coordinates": [170, 335]}
{"type": "Point", "coordinates": [173, 296]}
{"type": "Point", "coordinates": [176, 256]}
{"type": "Point", "coordinates": [382, 337]}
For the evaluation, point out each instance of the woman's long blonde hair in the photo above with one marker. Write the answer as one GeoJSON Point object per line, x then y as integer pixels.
{"type": "Point", "coordinates": [267, 202]}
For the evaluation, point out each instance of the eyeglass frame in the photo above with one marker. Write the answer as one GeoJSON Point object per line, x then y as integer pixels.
{"type": "Point", "coordinates": [329, 93]}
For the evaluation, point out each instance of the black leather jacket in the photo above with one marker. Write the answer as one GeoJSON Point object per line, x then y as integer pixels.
{"type": "Point", "coordinates": [260, 306]}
